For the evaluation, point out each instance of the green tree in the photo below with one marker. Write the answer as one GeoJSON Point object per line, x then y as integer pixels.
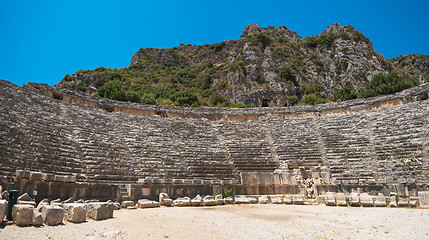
{"type": "Point", "coordinates": [112, 90]}
{"type": "Point", "coordinates": [344, 94]}
{"type": "Point", "coordinates": [81, 86]}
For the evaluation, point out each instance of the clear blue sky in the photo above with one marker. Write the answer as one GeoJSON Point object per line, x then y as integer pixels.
{"type": "Point", "coordinates": [42, 40]}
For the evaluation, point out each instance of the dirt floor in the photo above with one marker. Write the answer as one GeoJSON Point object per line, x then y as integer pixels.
{"type": "Point", "coordinates": [241, 222]}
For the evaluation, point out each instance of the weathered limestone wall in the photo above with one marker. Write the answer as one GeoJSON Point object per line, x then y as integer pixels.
{"type": "Point", "coordinates": [378, 144]}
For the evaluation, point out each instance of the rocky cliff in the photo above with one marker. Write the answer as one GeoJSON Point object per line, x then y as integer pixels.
{"type": "Point", "coordinates": [265, 67]}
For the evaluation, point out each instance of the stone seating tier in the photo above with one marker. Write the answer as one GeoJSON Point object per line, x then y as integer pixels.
{"type": "Point", "coordinates": [40, 133]}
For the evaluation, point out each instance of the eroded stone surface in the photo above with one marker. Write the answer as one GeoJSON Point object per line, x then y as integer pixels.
{"type": "Point", "coordinates": [37, 218]}
{"type": "Point", "coordinates": [209, 201]}
{"type": "Point", "coordinates": [146, 203]}
{"type": "Point", "coordinates": [423, 199]}
{"type": "Point", "coordinates": [3, 208]}
{"type": "Point", "coordinates": [340, 198]}
{"type": "Point", "coordinates": [75, 212]}
{"type": "Point", "coordinates": [100, 210]}
{"type": "Point", "coordinates": [22, 214]}
{"type": "Point", "coordinates": [182, 202]}
{"type": "Point", "coordinates": [165, 200]}
{"type": "Point", "coordinates": [330, 199]}
{"type": "Point", "coordinates": [380, 201]}
{"type": "Point", "coordinates": [366, 200]}
{"type": "Point", "coordinates": [52, 215]}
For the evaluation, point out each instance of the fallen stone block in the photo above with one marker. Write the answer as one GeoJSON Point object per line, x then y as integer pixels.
{"type": "Point", "coordinates": [22, 214]}
{"type": "Point", "coordinates": [241, 200]}
{"type": "Point", "coordinates": [403, 203]}
{"type": "Point", "coordinates": [41, 204]}
{"type": "Point", "coordinates": [3, 208]}
{"type": "Point", "coordinates": [287, 199]}
{"type": "Point", "coordinates": [330, 199]}
{"type": "Point", "coordinates": [219, 200]}
{"type": "Point", "coordinates": [70, 200]}
{"type": "Point", "coordinates": [52, 215]}
{"type": "Point", "coordinates": [209, 201]}
{"type": "Point", "coordinates": [253, 200]}
{"type": "Point", "coordinates": [100, 210]}
{"type": "Point", "coordinates": [75, 212]}
{"type": "Point", "coordinates": [393, 201]}
{"type": "Point", "coordinates": [413, 203]}
{"type": "Point", "coordinates": [263, 200]}
{"type": "Point", "coordinates": [165, 200]}
{"type": "Point", "coordinates": [276, 200]}
{"type": "Point", "coordinates": [116, 206]}
{"type": "Point", "coordinates": [25, 197]}
{"type": "Point", "coordinates": [340, 199]}
{"type": "Point", "coordinates": [146, 203]}
{"type": "Point", "coordinates": [182, 202]}
{"type": "Point", "coordinates": [380, 201]}
{"type": "Point", "coordinates": [298, 200]}
{"type": "Point", "coordinates": [126, 204]}
{"type": "Point", "coordinates": [354, 199]}
{"type": "Point", "coordinates": [423, 199]}
{"type": "Point", "coordinates": [197, 201]}
{"type": "Point", "coordinates": [37, 218]}
{"type": "Point", "coordinates": [366, 200]}
{"type": "Point", "coordinates": [229, 200]}
{"type": "Point", "coordinates": [32, 203]}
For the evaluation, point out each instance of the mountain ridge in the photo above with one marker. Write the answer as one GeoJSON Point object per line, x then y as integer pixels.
{"type": "Point", "coordinates": [265, 67]}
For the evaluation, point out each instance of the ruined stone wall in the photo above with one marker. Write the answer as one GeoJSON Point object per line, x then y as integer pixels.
{"type": "Point", "coordinates": [378, 143]}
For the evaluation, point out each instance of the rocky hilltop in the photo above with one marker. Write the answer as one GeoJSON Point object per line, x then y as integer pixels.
{"type": "Point", "coordinates": [267, 66]}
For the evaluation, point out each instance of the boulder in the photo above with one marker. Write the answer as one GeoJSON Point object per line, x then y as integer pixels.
{"type": "Point", "coordinates": [75, 212]}
{"type": "Point", "coordinates": [380, 201]}
{"type": "Point", "coordinates": [209, 201]}
{"type": "Point", "coordinates": [287, 199]}
{"type": "Point", "coordinates": [182, 202]}
{"type": "Point", "coordinates": [197, 201]}
{"type": "Point", "coordinates": [423, 199]}
{"type": "Point", "coordinates": [126, 204]}
{"type": "Point", "coordinates": [276, 200]}
{"type": "Point", "coordinates": [146, 203]}
{"type": "Point", "coordinates": [37, 218]}
{"type": "Point", "coordinates": [41, 204]}
{"type": "Point", "coordinates": [354, 199]}
{"type": "Point", "coordinates": [263, 200]}
{"type": "Point", "coordinates": [99, 210]}
{"type": "Point", "coordinates": [52, 215]}
{"type": "Point", "coordinates": [3, 208]}
{"type": "Point", "coordinates": [330, 199]}
{"type": "Point", "coordinates": [229, 200]}
{"type": "Point", "coordinates": [340, 199]}
{"type": "Point", "coordinates": [22, 214]}
{"type": "Point", "coordinates": [165, 200]}
{"type": "Point", "coordinates": [298, 200]}
{"type": "Point", "coordinates": [366, 200]}
{"type": "Point", "coordinates": [219, 200]}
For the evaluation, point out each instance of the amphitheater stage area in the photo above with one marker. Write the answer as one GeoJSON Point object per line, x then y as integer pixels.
{"type": "Point", "coordinates": [241, 222]}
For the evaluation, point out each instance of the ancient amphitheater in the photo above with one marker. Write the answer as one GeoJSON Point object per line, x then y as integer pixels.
{"type": "Point", "coordinates": [59, 144]}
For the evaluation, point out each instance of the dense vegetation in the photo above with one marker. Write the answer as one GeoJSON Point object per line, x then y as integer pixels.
{"type": "Point", "coordinates": [184, 75]}
{"type": "Point", "coordinates": [380, 84]}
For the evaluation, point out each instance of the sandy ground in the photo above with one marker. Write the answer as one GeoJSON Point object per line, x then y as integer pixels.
{"type": "Point", "coordinates": [241, 222]}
